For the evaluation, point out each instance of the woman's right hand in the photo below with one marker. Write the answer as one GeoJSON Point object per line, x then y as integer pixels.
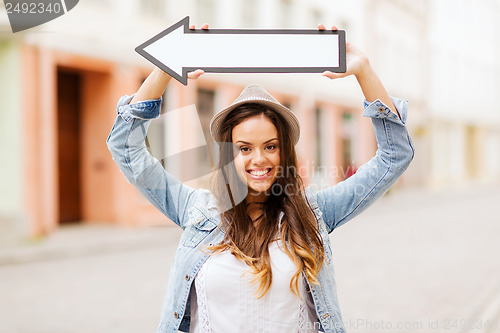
{"type": "Point", "coordinates": [156, 83]}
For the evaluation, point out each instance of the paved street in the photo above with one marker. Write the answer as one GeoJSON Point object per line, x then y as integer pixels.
{"type": "Point", "coordinates": [112, 290]}
{"type": "Point", "coordinates": [422, 261]}
{"type": "Point", "coordinates": [418, 261]}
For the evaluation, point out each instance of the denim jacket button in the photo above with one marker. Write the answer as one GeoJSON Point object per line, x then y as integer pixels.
{"type": "Point", "coordinates": [381, 109]}
{"type": "Point", "coordinates": [187, 277]}
{"type": "Point", "coordinates": [176, 315]}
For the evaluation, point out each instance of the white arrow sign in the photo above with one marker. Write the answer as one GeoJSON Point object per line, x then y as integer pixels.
{"type": "Point", "coordinates": [179, 50]}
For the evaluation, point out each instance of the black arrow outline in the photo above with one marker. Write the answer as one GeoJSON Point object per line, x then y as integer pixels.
{"type": "Point", "coordinates": [185, 70]}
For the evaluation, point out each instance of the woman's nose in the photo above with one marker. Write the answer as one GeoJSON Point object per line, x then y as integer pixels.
{"type": "Point", "coordinates": [258, 156]}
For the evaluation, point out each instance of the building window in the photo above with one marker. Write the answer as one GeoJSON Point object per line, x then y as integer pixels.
{"type": "Point", "coordinates": [347, 132]}
{"type": "Point", "coordinates": [288, 105]}
{"type": "Point", "coordinates": [105, 3]}
{"type": "Point", "coordinates": [344, 25]}
{"type": "Point", "coordinates": [156, 139]}
{"type": "Point", "coordinates": [319, 137]}
{"type": "Point", "coordinates": [316, 17]}
{"type": "Point", "coordinates": [205, 10]}
{"type": "Point", "coordinates": [319, 171]}
{"type": "Point", "coordinates": [205, 107]}
{"type": "Point", "coordinates": [156, 7]}
{"type": "Point", "coordinates": [285, 13]}
{"type": "Point", "coordinates": [248, 13]}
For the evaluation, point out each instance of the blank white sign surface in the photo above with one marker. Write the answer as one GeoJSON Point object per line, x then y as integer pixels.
{"type": "Point", "coordinates": [178, 50]}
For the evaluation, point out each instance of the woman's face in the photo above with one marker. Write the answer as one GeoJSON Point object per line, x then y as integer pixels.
{"type": "Point", "coordinates": [258, 159]}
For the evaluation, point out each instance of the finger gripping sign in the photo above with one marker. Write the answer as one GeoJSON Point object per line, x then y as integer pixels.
{"type": "Point", "coordinates": [25, 14]}
{"type": "Point", "coordinates": [179, 50]}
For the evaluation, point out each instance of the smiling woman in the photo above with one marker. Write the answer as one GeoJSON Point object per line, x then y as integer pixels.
{"type": "Point", "coordinates": [255, 254]}
{"type": "Point", "coordinates": [263, 131]}
{"type": "Point", "coordinates": [259, 154]}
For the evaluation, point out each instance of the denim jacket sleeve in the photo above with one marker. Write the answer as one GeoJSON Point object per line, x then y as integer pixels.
{"type": "Point", "coordinates": [347, 199]}
{"type": "Point", "coordinates": [126, 142]}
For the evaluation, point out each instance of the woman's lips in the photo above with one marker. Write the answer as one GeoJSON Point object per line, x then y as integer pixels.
{"type": "Point", "coordinates": [259, 177]}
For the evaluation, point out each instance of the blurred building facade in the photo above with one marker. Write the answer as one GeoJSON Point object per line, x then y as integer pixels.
{"type": "Point", "coordinates": [61, 81]}
{"type": "Point", "coordinates": [463, 83]}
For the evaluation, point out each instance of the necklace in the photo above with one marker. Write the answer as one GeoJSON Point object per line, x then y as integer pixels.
{"type": "Point", "coordinates": [258, 217]}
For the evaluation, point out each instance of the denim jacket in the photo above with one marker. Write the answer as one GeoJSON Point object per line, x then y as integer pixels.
{"type": "Point", "coordinates": [195, 211]}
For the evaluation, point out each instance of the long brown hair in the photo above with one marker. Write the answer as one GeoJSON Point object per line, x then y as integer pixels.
{"type": "Point", "coordinates": [249, 242]}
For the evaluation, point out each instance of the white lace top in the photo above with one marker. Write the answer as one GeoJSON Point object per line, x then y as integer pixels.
{"type": "Point", "coordinates": [223, 298]}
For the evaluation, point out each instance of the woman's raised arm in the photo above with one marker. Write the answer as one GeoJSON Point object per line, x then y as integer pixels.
{"type": "Point", "coordinates": [153, 87]}
{"type": "Point", "coordinates": [358, 64]}
{"type": "Point", "coordinates": [126, 142]}
{"type": "Point", "coordinates": [156, 83]}
{"type": "Point", "coordinates": [342, 202]}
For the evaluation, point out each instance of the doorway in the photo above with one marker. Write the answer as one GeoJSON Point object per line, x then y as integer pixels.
{"type": "Point", "coordinates": [69, 88]}
{"type": "Point", "coordinates": [472, 156]}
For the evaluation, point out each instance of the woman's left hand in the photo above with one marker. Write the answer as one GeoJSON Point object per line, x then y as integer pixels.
{"type": "Point", "coordinates": [356, 61]}
{"type": "Point", "coordinates": [357, 64]}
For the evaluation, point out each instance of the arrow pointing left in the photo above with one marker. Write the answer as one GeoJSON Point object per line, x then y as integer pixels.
{"type": "Point", "coordinates": [179, 50]}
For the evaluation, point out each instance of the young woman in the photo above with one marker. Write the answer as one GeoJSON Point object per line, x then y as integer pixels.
{"type": "Point", "coordinates": [255, 254]}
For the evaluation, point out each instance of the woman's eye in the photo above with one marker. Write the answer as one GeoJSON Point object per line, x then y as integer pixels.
{"type": "Point", "coordinates": [244, 149]}
{"type": "Point", "coordinates": [271, 147]}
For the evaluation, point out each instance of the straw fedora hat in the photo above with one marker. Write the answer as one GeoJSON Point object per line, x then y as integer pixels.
{"type": "Point", "coordinates": [256, 94]}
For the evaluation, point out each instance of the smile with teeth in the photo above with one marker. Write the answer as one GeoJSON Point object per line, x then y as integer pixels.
{"type": "Point", "coordinates": [259, 172]}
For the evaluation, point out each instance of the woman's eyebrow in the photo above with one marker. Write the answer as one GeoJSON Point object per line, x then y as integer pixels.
{"type": "Point", "coordinates": [248, 143]}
